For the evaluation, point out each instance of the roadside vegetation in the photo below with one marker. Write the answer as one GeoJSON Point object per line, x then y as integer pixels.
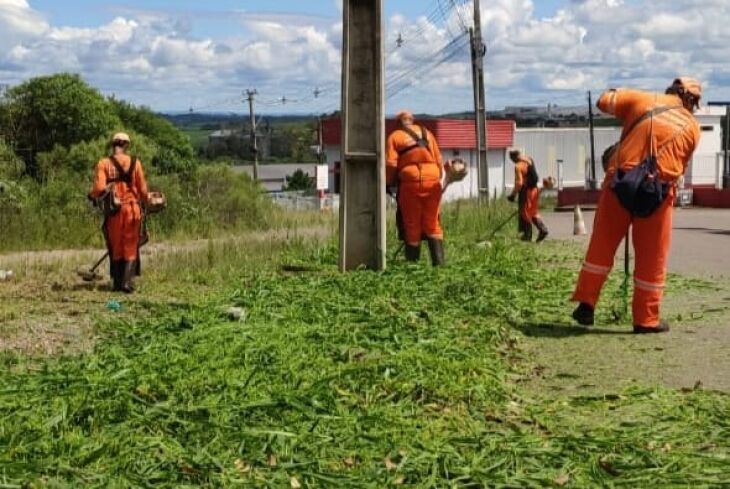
{"type": "Point", "coordinates": [54, 129]}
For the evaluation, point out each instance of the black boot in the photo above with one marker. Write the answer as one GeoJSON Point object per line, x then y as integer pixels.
{"type": "Point", "coordinates": [128, 277]}
{"type": "Point", "coordinates": [584, 314]}
{"type": "Point", "coordinates": [116, 269]}
{"type": "Point", "coordinates": [436, 249]}
{"type": "Point", "coordinates": [527, 231]}
{"type": "Point", "coordinates": [663, 327]}
{"type": "Point", "coordinates": [540, 224]}
{"type": "Point", "coordinates": [413, 253]}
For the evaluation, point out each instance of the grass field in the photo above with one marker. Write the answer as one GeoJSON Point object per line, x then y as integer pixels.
{"type": "Point", "coordinates": [411, 377]}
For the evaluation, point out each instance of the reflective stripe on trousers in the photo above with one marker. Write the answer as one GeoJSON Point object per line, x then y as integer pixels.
{"type": "Point", "coordinates": [651, 238]}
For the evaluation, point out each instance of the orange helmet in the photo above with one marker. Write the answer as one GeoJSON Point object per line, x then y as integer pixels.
{"type": "Point", "coordinates": [689, 85]}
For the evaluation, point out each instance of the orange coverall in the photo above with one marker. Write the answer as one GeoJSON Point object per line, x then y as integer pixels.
{"type": "Point", "coordinates": [529, 197]}
{"type": "Point", "coordinates": [418, 173]}
{"type": "Point", "coordinates": [122, 230]}
{"type": "Point", "coordinates": [676, 135]}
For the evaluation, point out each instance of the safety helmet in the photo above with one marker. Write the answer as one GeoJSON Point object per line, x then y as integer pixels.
{"type": "Point", "coordinates": [121, 136]}
{"type": "Point", "coordinates": [688, 85]}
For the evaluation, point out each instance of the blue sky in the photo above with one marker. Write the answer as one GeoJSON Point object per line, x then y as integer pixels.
{"type": "Point", "coordinates": [173, 55]}
{"type": "Point", "coordinates": [88, 13]}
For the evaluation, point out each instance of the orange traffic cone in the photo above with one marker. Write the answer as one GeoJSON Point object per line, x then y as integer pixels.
{"type": "Point", "coordinates": [579, 226]}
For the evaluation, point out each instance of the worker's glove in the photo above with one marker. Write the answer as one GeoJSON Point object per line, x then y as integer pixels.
{"type": "Point", "coordinates": [511, 198]}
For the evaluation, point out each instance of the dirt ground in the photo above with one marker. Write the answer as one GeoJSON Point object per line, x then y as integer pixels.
{"type": "Point", "coordinates": [700, 240]}
{"type": "Point", "coordinates": [47, 309]}
{"type": "Point", "coordinates": [607, 358]}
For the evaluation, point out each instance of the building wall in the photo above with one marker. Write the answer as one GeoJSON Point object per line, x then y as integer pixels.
{"type": "Point", "coordinates": [466, 189]}
{"type": "Point", "coordinates": [572, 145]}
{"type": "Point", "coordinates": [703, 170]}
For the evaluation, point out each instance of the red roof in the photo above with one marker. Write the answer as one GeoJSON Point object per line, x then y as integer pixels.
{"type": "Point", "coordinates": [450, 133]}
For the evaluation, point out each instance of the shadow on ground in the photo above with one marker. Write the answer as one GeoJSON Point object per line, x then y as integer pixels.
{"type": "Point", "coordinates": [555, 330]}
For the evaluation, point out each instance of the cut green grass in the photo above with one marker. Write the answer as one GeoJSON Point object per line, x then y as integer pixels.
{"type": "Point", "coordinates": [405, 377]}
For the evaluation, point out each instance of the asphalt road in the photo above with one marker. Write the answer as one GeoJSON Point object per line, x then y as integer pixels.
{"type": "Point", "coordinates": [700, 242]}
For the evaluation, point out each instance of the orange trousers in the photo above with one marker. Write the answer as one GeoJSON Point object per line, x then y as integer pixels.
{"type": "Point", "coordinates": [122, 232]}
{"type": "Point", "coordinates": [651, 239]}
{"type": "Point", "coordinates": [420, 207]}
{"type": "Point", "coordinates": [530, 204]}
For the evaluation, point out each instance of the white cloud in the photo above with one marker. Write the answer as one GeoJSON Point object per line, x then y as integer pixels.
{"type": "Point", "coordinates": [154, 57]}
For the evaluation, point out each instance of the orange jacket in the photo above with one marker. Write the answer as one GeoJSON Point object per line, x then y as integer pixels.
{"type": "Point", "coordinates": [416, 165]}
{"type": "Point", "coordinates": [676, 132]}
{"type": "Point", "coordinates": [521, 168]}
{"type": "Point", "coordinates": [106, 171]}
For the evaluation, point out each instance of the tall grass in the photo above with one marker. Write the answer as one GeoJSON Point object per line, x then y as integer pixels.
{"type": "Point", "coordinates": [211, 202]}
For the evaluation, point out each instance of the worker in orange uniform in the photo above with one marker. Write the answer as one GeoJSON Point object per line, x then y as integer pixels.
{"type": "Point", "coordinates": [123, 175]}
{"type": "Point", "coordinates": [414, 164]}
{"type": "Point", "coordinates": [658, 138]}
{"type": "Point", "coordinates": [526, 189]}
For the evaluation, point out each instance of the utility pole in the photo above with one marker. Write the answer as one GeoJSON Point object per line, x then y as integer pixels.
{"type": "Point", "coordinates": [592, 179]}
{"type": "Point", "coordinates": [478, 51]}
{"type": "Point", "coordinates": [362, 197]}
{"type": "Point", "coordinates": [250, 94]}
{"type": "Point", "coordinates": [320, 141]}
{"type": "Point", "coordinates": [726, 176]}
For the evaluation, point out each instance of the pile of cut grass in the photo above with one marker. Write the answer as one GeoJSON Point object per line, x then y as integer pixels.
{"type": "Point", "coordinates": [349, 380]}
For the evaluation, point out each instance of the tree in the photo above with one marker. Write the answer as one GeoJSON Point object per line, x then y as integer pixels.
{"type": "Point", "coordinates": [11, 166]}
{"type": "Point", "coordinates": [175, 152]}
{"type": "Point", "coordinates": [56, 110]}
{"type": "Point", "coordinates": [299, 180]}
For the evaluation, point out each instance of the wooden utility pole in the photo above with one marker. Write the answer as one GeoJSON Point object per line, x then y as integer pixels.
{"type": "Point", "coordinates": [362, 198]}
{"type": "Point", "coordinates": [478, 51]}
{"type": "Point", "coordinates": [592, 176]}
{"type": "Point", "coordinates": [250, 94]}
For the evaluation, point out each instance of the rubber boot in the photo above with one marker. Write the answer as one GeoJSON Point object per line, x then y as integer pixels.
{"type": "Point", "coordinates": [662, 327]}
{"type": "Point", "coordinates": [413, 253]}
{"type": "Point", "coordinates": [117, 273]}
{"type": "Point", "coordinates": [584, 314]}
{"type": "Point", "coordinates": [540, 225]}
{"type": "Point", "coordinates": [128, 278]}
{"type": "Point", "coordinates": [527, 233]}
{"type": "Point", "coordinates": [436, 249]}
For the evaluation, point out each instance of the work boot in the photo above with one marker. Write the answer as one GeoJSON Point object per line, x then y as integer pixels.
{"type": "Point", "coordinates": [527, 232]}
{"type": "Point", "coordinates": [117, 273]}
{"type": "Point", "coordinates": [436, 249]}
{"type": "Point", "coordinates": [584, 314]}
{"type": "Point", "coordinates": [413, 253]}
{"type": "Point", "coordinates": [540, 224]}
{"type": "Point", "coordinates": [662, 327]}
{"type": "Point", "coordinates": [128, 277]}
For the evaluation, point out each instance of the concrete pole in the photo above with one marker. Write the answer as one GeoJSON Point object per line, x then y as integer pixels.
{"type": "Point", "coordinates": [362, 200]}
{"type": "Point", "coordinates": [250, 94]}
{"type": "Point", "coordinates": [726, 176]}
{"type": "Point", "coordinates": [478, 53]}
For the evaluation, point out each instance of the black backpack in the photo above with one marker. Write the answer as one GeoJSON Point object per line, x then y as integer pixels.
{"type": "Point", "coordinates": [532, 177]}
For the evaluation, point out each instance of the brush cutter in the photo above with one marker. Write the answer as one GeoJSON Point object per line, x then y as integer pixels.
{"type": "Point", "coordinates": [502, 225]}
{"type": "Point", "coordinates": [91, 275]}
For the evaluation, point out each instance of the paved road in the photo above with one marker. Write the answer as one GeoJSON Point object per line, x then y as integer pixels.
{"type": "Point", "coordinates": [701, 240]}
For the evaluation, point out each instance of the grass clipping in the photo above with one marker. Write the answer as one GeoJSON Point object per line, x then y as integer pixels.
{"type": "Point", "coordinates": [346, 380]}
